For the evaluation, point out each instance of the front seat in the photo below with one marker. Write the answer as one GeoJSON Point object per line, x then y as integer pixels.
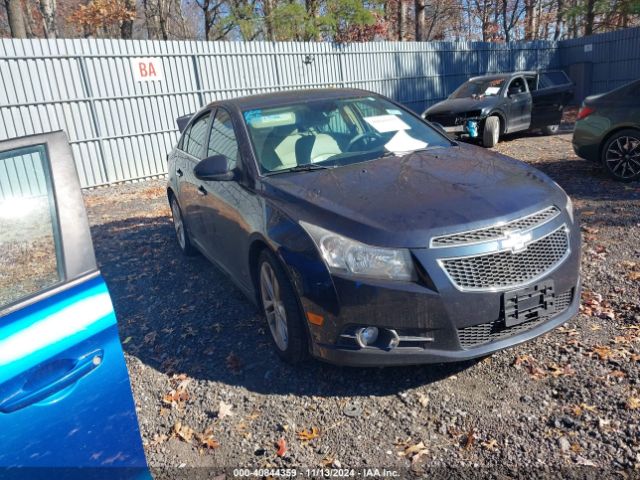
{"type": "Point", "coordinates": [313, 148]}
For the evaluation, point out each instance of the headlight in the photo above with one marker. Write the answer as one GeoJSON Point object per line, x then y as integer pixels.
{"type": "Point", "coordinates": [344, 255]}
{"type": "Point", "coordinates": [569, 207]}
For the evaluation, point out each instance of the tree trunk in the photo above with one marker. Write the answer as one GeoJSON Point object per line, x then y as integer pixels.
{"type": "Point", "coordinates": [421, 20]}
{"type": "Point", "coordinates": [505, 23]}
{"type": "Point", "coordinates": [48, 11]}
{"type": "Point", "coordinates": [589, 17]}
{"type": "Point", "coordinates": [269, 6]}
{"type": "Point", "coordinates": [15, 15]}
{"type": "Point", "coordinates": [126, 29]}
{"type": "Point", "coordinates": [402, 19]}
{"type": "Point", "coordinates": [557, 35]}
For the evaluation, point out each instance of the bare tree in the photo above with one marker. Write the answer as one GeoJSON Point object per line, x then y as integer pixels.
{"type": "Point", "coordinates": [48, 11]}
{"type": "Point", "coordinates": [511, 12]}
{"type": "Point", "coordinates": [421, 20]}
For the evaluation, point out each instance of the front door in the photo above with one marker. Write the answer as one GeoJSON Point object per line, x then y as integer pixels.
{"type": "Point", "coordinates": [226, 203]}
{"type": "Point", "coordinates": [519, 97]}
{"type": "Point", "coordinates": [65, 398]}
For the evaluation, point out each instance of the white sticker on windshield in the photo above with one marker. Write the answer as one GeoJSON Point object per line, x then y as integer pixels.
{"type": "Point", "coordinates": [492, 90]}
{"type": "Point", "coordinates": [404, 143]}
{"type": "Point", "coordinates": [387, 123]}
{"type": "Point", "coordinates": [394, 111]}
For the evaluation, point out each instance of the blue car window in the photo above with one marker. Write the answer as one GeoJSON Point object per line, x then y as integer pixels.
{"type": "Point", "coordinates": [29, 238]}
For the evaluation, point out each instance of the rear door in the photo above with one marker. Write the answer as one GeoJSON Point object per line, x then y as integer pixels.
{"type": "Point", "coordinates": [65, 398]}
{"type": "Point", "coordinates": [192, 149]}
{"type": "Point", "coordinates": [553, 91]}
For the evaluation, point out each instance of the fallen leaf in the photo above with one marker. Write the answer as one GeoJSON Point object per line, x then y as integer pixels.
{"type": "Point", "coordinates": [469, 440]}
{"type": "Point", "coordinates": [633, 276]}
{"type": "Point", "coordinates": [633, 403]}
{"type": "Point", "coordinates": [183, 431]}
{"type": "Point", "coordinates": [584, 462]}
{"type": "Point", "coordinates": [308, 435]}
{"type": "Point", "coordinates": [224, 410]}
{"type": "Point", "coordinates": [490, 445]}
{"type": "Point", "coordinates": [282, 447]}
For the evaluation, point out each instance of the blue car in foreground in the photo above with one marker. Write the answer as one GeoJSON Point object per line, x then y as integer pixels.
{"type": "Point", "coordinates": [66, 408]}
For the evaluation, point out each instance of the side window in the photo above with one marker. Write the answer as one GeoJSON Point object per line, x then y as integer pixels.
{"type": "Point", "coordinates": [29, 240]}
{"type": "Point", "coordinates": [517, 86]}
{"type": "Point", "coordinates": [195, 141]}
{"type": "Point", "coordinates": [553, 79]}
{"type": "Point", "coordinates": [531, 82]}
{"type": "Point", "coordinates": [222, 140]}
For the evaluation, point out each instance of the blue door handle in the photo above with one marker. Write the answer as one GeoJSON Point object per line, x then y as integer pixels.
{"type": "Point", "coordinates": [48, 380]}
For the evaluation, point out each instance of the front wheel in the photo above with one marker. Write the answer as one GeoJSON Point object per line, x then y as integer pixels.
{"type": "Point", "coordinates": [491, 132]}
{"type": "Point", "coordinates": [621, 155]}
{"type": "Point", "coordinates": [280, 306]}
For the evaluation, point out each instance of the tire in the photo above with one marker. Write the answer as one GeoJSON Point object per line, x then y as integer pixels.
{"type": "Point", "coordinates": [621, 155]}
{"type": "Point", "coordinates": [491, 132]}
{"type": "Point", "coordinates": [550, 129]}
{"type": "Point", "coordinates": [281, 309]}
{"type": "Point", "coordinates": [180, 227]}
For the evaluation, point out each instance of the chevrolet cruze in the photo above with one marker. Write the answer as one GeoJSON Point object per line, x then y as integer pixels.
{"type": "Point", "coordinates": [367, 236]}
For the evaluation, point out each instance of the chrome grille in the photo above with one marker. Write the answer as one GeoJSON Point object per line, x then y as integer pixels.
{"type": "Point", "coordinates": [488, 332]}
{"type": "Point", "coordinates": [497, 231]}
{"type": "Point", "coordinates": [506, 268]}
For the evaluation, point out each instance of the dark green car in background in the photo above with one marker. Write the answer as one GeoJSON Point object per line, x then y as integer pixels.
{"type": "Point", "coordinates": [608, 131]}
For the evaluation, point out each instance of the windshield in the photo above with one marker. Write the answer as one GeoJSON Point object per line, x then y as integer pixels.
{"type": "Point", "coordinates": [479, 88]}
{"type": "Point", "coordinates": [332, 133]}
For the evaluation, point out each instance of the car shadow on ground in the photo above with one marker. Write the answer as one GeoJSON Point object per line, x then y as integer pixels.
{"type": "Point", "coordinates": [182, 315]}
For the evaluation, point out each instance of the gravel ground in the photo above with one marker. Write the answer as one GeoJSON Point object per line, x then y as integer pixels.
{"type": "Point", "coordinates": [211, 392]}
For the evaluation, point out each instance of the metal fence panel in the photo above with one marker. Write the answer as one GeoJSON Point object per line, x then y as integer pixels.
{"type": "Point", "coordinates": [121, 129]}
{"type": "Point", "coordinates": [614, 57]}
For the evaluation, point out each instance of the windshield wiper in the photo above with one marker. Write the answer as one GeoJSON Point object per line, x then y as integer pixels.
{"type": "Point", "coordinates": [306, 167]}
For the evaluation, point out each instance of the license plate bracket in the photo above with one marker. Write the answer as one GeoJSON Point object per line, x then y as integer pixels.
{"type": "Point", "coordinates": [530, 303]}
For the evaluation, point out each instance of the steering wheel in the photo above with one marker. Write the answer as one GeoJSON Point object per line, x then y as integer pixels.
{"type": "Point", "coordinates": [359, 138]}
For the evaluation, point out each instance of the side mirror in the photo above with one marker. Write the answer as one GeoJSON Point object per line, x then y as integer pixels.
{"type": "Point", "coordinates": [214, 169]}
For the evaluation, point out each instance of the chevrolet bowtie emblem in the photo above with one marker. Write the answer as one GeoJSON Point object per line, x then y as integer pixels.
{"type": "Point", "coordinates": [515, 241]}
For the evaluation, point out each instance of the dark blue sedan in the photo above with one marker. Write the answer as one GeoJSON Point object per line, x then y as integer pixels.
{"type": "Point", "coordinates": [368, 237]}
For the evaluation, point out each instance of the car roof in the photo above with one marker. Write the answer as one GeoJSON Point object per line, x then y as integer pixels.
{"type": "Point", "coordinates": [275, 99]}
{"type": "Point", "coordinates": [499, 76]}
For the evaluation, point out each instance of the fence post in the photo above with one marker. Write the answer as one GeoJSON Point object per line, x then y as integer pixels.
{"type": "Point", "coordinates": [196, 71]}
{"type": "Point", "coordinates": [341, 60]}
{"type": "Point", "coordinates": [94, 114]}
{"type": "Point", "coordinates": [276, 67]}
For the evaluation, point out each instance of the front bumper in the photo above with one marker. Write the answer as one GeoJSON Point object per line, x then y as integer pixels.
{"type": "Point", "coordinates": [435, 320]}
{"type": "Point", "coordinates": [371, 357]}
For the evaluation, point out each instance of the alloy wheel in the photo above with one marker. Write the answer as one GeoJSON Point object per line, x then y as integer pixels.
{"type": "Point", "coordinates": [178, 223]}
{"type": "Point", "coordinates": [273, 306]}
{"type": "Point", "coordinates": [623, 157]}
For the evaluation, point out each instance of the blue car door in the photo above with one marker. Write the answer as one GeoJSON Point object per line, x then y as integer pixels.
{"type": "Point", "coordinates": [66, 408]}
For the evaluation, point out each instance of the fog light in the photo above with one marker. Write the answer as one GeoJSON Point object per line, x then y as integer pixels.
{"type": "Point", "coordinates": [394, 341]}
{"type": "Point", "coordinates": [366, 336]}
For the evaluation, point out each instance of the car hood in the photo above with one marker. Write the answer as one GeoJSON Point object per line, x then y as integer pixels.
{"type": "Point", "coordinates": [404, 201]}
{"type": "Point", "coordinates": [461, 105]}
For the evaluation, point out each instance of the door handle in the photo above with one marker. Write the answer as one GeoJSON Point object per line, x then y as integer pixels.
{"type": "Point", "coordinates": [179, 172]}
{"type": "Point", "coordinates": [39, 385]}
{"type": "Point", "coordinates": [202, 191]}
